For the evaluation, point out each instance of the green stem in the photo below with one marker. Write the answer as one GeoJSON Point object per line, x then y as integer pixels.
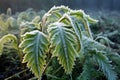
{"type": "Point", "coordinates": [47, 65]}
{"type": "Point", "coordinates": [71, 76]}
{"type": "Point", "coordinates": [52, 76]}
{"type": "Point", "coordinates": [57, 70]}
{"type": "Point", "coordinates": [16, 74]}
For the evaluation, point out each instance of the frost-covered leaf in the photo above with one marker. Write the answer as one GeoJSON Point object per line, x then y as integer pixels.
{"type": "Point", "coordinates": [104, 65]}
{"type": "Point", "coordinates": [8, 38]}
{"type": "Point", "coordinates": [88, 70]}
{"type": "Point", "coordinates": [63, 39]}
{"type": "Point", "coordinates": [54, 14]}
{"type": "Point", "coordinates": [90, 44]}
{"type": "Point", "coordinates": [97, 50]}
{"type": "Point", "coordinates": [75, 27]}
{"type": "Point", "coordinates": [35, 45]}
{"type": "Point", "coordinates": [85, 20]}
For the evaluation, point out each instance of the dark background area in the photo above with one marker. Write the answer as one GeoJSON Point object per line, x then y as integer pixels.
{"type": "Point", "coordinates": [97, 5]}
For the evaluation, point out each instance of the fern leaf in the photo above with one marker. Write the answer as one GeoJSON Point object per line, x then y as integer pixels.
{"type": "Point", "coordinates": [35, 45]}
{"type": "Point", "coordinates": [8, 38]}
{"type": "Point", "coordinates": [64, 40]}
{"type": "Point", "coordinates": [105, 66]}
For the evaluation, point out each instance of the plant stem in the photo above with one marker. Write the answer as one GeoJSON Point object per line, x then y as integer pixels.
{"type": "Point", "coordinates": [57, 70]}
{"type": "Point", "coordinates": [16, 74]}
{"type": "Point", "coordinates": [52, 76]}
{"type": "Point", "coordinates": [71, 76]}
{"type": "Point", "coordinates": [47, 65]}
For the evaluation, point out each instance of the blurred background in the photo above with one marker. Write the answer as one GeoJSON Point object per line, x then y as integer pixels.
{"type": "Point", "coordinates": [97, 5]}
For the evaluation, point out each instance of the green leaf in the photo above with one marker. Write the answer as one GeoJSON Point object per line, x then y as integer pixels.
{"type": "Point", "coordinates": [76, 28]}
{"type": "Point", "coordinates": [85, 20]}
{"type": "Point", "coordinates": [105, 66]}
{"type": "Point", "coordinates": [54, 14]}
{"type": "Point", "coordinates": [3, 25]}
{"type": "Point", "coordinates": [8, 38]}
{"type": "Point", "coordinates": [81, 15]}
{"type": "Point", "coordinates": [59, 9]}
{"type": "Point", "coordinates": [90, 44]}
{"type": "Point", "coordinates": [63, 39]}
{"type": "Point", "coordinates": [35, 45]}
{"type": "Point", "coordinates": [91, 20]}
{"type": "Point", "coordinates": [12, 22]}
{"type": "Point", "coordinates": [97, 50]}
{"type": "Point", "coordinates": [87, 70]}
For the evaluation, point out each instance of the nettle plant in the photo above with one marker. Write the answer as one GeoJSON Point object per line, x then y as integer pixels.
{"type": "Point", "coordinates": [64, 41]}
